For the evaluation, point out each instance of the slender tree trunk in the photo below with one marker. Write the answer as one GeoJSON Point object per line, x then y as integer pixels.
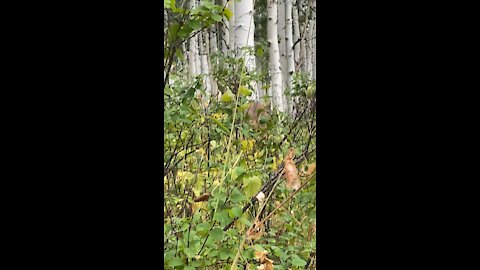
{"type": "Point", "coordinates": [289, 49]}
{"type": "Point", "coordinates": [303, 45]}
{"type": "Point", "coordinates": [213, 49]}
{"type": "Point", "coordinates": [261, 92]}
{"type": "Point", "coordinates": [309, 42]}
{"type": "Point", "coordinates": [203, 38]}
{"type": "Point", "coordinates": [231, 25]}
{"type": "Point", "coordinates": [296, 32]}
{"type": "Point", "coordinates": [282, 47]}
{"type": "Point", "coordinates": [274, 54]}
{"type": "Point", "coordinates": [244, 37]}
{"type": "Point", "coordinates": [313, 39]}
{"type": "Point", "coordinates": [198, 63]}
{"type": "Point", "coordinates": [192, 50]}
{"type": "Point", "coordinates": [213, 39]}
{"type": "Point", "coordinates": [225, 36]}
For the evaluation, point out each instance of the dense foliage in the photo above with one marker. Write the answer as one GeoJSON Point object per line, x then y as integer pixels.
{"type": "Point", "coordinates": [223, 174]}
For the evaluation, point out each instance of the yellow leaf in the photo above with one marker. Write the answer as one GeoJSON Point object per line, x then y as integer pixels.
{"type": "Point", "coordinates": [245, 91]}
{"type": "Point", "coordinates": [228, 13]}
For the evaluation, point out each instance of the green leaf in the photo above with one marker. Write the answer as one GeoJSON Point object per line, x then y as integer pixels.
{"type": "Point", "coordinates": [237, 172]}
{"type": "Point", "coordinates": [208, 4]}
{"type": "Point", "coordinates": [224, 254]}
{"type": "Point", "coordinates": [190, 252]}
{"type": "Point", "coordinates": [252, 185]}
{"type": "Point", "coordinates": [244, 219]}
{"type": "Point", "coordinates": [260, 52]}
{"type": "Point", "coordinates": [169, 255]}
{"type": "Point", "coordinates": [175, 262]}
{"type": "Point", "coordinates": [195, 24]}
{"type": "Point", "coordinates": [195, 263]}
{"type": "Point", "coordinates": [237, 211]}
{"type": "Point", "coordinates": [237, 196]}
{"type": "Point", "coordinates": [221, 216]}
{"type": "Point", "coordinates": [184, 32]}
{"type": "Point", "coordinates": [217, 234]}
{"type": "Point", "coordinates": [216, 17]}
{"type": "Point", "coordinates": [202, 227]}
{"type": "Point", "coordinates": [189, 268]}
{"type": "Point", "coordinates": [179, 54]}
{"type": "Point", "coordinates": [258, 247]}
{"type": "Point", "coordinates": [297, 261]}
{"type": "Point", "coordinates": [228, 96]}
{"type": "Point", "coordinates": [172, 31]}
{"type": "Point", "coordinates": [245, 91]}
{"type": "Point", "coordinates": [172, 4]}
{"type": "Point", "coordinates": [224, 128]}
{"type": "Point", "coordinates": [166, 3]}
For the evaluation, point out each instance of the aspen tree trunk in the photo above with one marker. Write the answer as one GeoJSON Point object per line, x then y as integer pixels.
{"type": "Point", "coordinates": [185, 64]}
{"type": "Point", "coordinates": [231, 26]}
{"type": "Point", "coordinates": [213, 49]}
{"type": "Point", "coordinates": [274, 54]}
{"type": "Point", "coordinates": [303, 31]}
{"type": "Point", "coordinates": [198, 63]}
{"type": "Point", "coordinates": [289, 49]}
{"type": "Point", "coordinates": [282, 47]}
{"type": "Point", "coordinates": [203, 43]}
{"type": "Point", "coordinates": [225, 35]}
{"type": "Point", "coordinates": [309, 38]}
{"type": "Point", "coordinates": [313, 38]}
{"type": "Point", "coordinates": [213, 39]}
{"type": "Point", "coordinates": [296, 33]}
{"type": "Point", "coordinates": [308, 51]}
{"type": "Point", "coordinates": [244, 37]}
{"type": "Point", "coordinates": [191, 57]}
{"type": "Point", "coordinates": [192, 50]}
{"type": "Point", "coordinates": [261, 92]}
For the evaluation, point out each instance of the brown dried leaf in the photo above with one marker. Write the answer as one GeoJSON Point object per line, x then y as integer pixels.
{"type": "Point", "coordinates": [291, 172]}
{"type": "Point", "coordinates": [256, 231]}
{"type": "Point", "coordinates": [202, 198]}
{"type": "Point", "coordinates": [311, 168]}
{"type": "Point", "coordinates": [268, 265]}
{"type": "Point", "coordinates": [290, 154]}
{"type": "Point", "coordinates": [261, 256]}
{"type": "Point", "coordinates": [312, 230]}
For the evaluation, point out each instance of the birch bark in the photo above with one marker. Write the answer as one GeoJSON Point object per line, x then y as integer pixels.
{"type": "Point", "coordinates": [274, 63]}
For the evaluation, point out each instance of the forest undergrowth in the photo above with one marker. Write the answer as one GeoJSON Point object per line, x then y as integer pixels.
{"type": "Point", "coordinates": [239, 175]}
{"type": "Point", "coordinates": [220, 181]}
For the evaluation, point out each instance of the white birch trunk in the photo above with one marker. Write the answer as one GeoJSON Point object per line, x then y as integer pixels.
{"type": "Point", "coordinates": [296, 32]}
{"type": "Point", "coordinates": [313, 39]}
{"type": "Point", "coordinates": [274, 54]}
{"type": "Point", "coordinates": [198, 63]}
{"type": "Point", "coordinates": [303, 46]}
{"type": "Point", "coordinates": [309, 40]}
{"type": "Point", "coordinates": [213, 39]}
{"type": "Point", "coordinates": [192, 50]}
{"type": "Point", "coordinates": [244, 37]}
{"type": "Point", "coordinates": [261, 92]}
{"type": "Point", "coordinates": [231, 25]}
{"type": "Point", "coordinates": [203, 37]}
{"type": "Point", "coordinates": [289, 49]}
{"type": "Point", "coordinates": [282, 47]}
{"type": "Point", "coordinates": [225, 34]}
{"type": "Point", "coordinates": [213, 49]}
